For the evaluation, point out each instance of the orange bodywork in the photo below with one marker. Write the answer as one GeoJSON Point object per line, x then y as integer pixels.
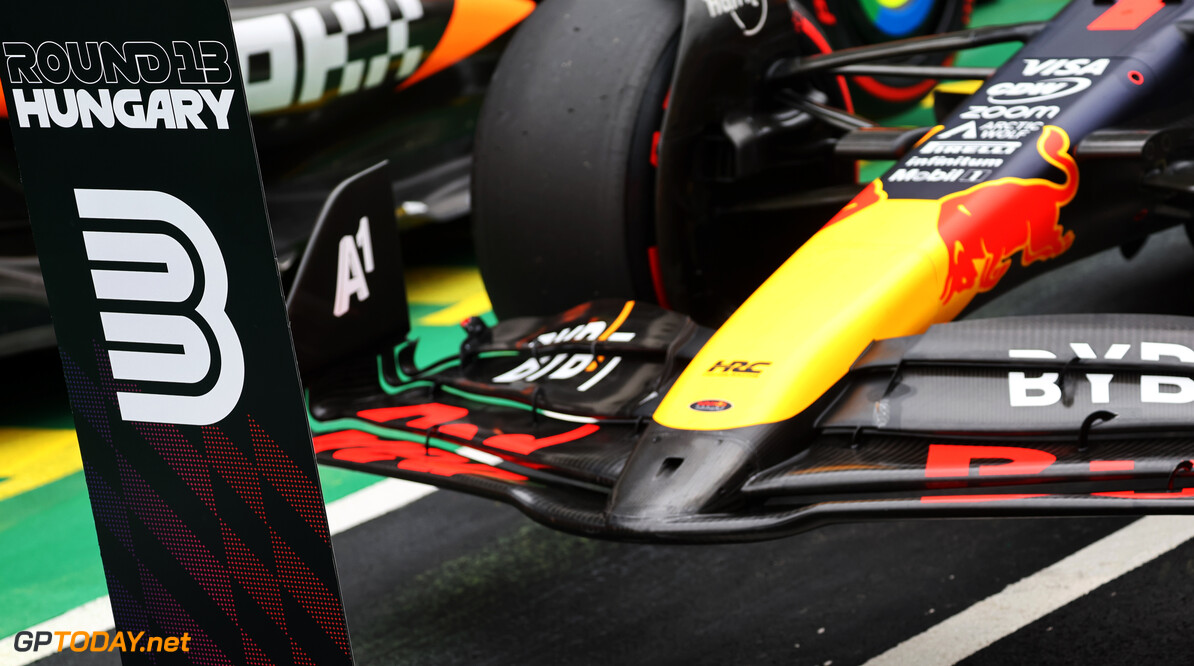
{"type": "Point", "coordinates": [980, 252]}
{"type": "Point", "coordinates": [473, 25]}
{"type": "Point", "coordinates": [882, 268]}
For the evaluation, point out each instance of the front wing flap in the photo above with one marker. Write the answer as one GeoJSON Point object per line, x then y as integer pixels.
{"type": "Point", "coordinates": [1038, 416]}
{"type": "Point", "coordinates": [539, 412]}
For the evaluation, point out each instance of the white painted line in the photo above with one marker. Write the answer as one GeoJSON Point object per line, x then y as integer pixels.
{"type": "Point", "coordinates": [374, 501]}
{"type": "Point", "coordinates": [1034, 597]}
{"type": "Point", "coordinates": [609, 367]}
{"type": "Point", "coordinates": [479, 456]}
{"type": "Point", "coordinates": [343, 514]}
{"type": "Point", "coordinates": [567, 417]}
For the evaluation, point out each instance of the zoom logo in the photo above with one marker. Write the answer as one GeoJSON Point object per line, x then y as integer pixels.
{"type": "Point", "coordinates": [162, 312]}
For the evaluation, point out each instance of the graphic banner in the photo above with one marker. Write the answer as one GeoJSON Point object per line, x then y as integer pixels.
{"type": "Point", "coordinates": [136, 152]}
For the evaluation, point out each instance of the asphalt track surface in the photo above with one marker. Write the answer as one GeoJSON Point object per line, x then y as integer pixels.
{"type": "Point", "coordinates": [453, 579]}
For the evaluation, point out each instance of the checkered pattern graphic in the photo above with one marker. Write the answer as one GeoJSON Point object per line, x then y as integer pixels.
{"type": "Point", "coordinates": [324, 50]}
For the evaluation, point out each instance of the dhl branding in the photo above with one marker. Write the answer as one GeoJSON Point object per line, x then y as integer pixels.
{"type": "Point", "coordinates": [884, 267]}
{"type": "Point", "coordinates": [569, 366]}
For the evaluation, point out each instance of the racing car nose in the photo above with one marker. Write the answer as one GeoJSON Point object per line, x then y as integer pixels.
{"type": "Point", "coordinates": [674, 473]}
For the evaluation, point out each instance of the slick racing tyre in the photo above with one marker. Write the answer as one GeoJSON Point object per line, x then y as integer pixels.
{"type": "Point", "coordinates": [564, 178]}
{"type": "Point", "coordinates": [851, 23]}
{"type": "Point", "coordinates": [563, 185]}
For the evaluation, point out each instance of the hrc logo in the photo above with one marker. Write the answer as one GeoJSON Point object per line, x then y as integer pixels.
{"type": "Point", "coordinates": [738, 368]}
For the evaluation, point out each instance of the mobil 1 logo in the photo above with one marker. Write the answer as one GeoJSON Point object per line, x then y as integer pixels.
{"type": "Point", "coordinates": [917, 175]}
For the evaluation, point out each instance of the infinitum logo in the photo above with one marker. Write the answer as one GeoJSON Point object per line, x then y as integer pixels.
{"type": "Point", "coordinates": [100, 641]}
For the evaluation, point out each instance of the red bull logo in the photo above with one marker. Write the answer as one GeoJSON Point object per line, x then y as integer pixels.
{"type": "Point", "coordinates": [871, 194]}
{"type": "Point", "coordinates": [984, 226]}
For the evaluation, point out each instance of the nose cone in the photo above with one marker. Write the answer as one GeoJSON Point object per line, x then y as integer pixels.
{"type": "Point", "coordinates": [679, 473]}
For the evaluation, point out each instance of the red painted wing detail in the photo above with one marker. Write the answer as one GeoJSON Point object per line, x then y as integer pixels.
{"type": "Point", "coordinates": [360, 447]}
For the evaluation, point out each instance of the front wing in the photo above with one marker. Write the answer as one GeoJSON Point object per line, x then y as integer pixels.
{"type": "Point", "coordinates": [1034, 416]}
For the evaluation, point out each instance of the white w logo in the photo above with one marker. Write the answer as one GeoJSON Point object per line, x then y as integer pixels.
{"type": "Point", "coordinates": [173, 287]}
